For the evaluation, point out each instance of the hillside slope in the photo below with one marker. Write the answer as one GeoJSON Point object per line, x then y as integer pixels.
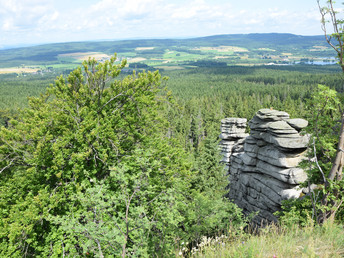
{"type": "Point", "coordinates": [156, 48]}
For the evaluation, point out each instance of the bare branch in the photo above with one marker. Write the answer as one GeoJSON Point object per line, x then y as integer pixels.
{"type": "Point", "coordinates": [323, 26]}
{"type": "Point", "coordinates": [8, 166]}
{"type": "Point", "coordinates": [110, 100]}
{"type": "Point", "coordinates": [317, 163]}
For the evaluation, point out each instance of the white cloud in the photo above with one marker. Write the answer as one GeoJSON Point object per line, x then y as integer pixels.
{"type": "Point", "coordinates": [23, 15]}
{"type": "Point", "coordinates": [7, 25]}
{"type": "Point", "coordinates": [44, 20]}
{"type": "Point", "coordinates": [122, 9]}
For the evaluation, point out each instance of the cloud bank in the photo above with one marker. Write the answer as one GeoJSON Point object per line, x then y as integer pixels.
{"type": "Point", "coordinates": [41, 21]}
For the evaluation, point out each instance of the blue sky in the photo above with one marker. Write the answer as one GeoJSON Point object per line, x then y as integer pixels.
{"type": "Point", "coordinates": [45, 21]}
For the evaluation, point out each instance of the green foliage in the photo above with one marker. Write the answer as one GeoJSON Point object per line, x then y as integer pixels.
{"type": "Point", "coordinates": [296, 212]}
{"type": "Point", "coordinates": [132, 212]}
{"type": "Point", "coordinates": [87, 170]}
{"type": "Point", "coordinates": [104, 164]}
{"type": "Point", "coordinates": [324, 118]}
{"type": "Point", "coordinates": [209, 187]}
{"type": "Point", "coordinates": [208, 63]}
{"type": "Point", "coordinates": [138, 65]}
{"type": "Point", "coordinates": [14, 89]}
{"type": "Point", "coordinates": [60, 145]}
{"type": "Point", "coordinates": [324, 125]}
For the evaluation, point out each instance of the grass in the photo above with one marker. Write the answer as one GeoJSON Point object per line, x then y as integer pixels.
{"type": "Point", "coordinates": [63, 66]}
{"type": "Point", "coordinates": [181, 56]}
{"type": "Point", "coordinates": [311, 241]}
{"type": "Point", "coordinates": [126, 54]}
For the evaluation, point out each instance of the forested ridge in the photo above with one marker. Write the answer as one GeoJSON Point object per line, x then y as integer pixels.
{"type": "Point", "coordinates": [49, 52]}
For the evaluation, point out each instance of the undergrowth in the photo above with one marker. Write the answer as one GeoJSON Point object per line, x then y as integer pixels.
{"type": "Point", "coordinates": [275, 241]}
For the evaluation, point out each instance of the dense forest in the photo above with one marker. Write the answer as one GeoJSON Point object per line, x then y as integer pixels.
{"type": "Point", "coordinates": [112, 148]}
{"type": "Point", "coordinates": [209, 94]}
{"type": "Point", "coordinates": [102, 163]}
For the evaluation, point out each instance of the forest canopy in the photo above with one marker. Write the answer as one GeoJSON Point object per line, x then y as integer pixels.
{"type": "Point", "coordinates": [87, 169]}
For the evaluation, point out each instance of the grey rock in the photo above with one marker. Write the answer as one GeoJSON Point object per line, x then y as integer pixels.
{"type": "Point", "coordinates": [291, 176]}
{"type": "Point", "coordinates": [261, 143]}
{"type": "Point", "coordinates": [234, 120]}
{"type": "Point", "coordinates": [297, 123]}
{"type": "Point", "coordinates": [276, 157]}
{"type": "Point", "coordinates": [250, 139]}
{"type": "Point", "coordinates": [272, 115]}
{"type": "Point", "coordinates": [297, 142]}
{"type": "Point", "coordinates": [234, 135]}
{"type": "Point", "coordinates": [263, 166]}
{"type": "Point", "coordinates": [248, 160]}
{"type": "Point", "coordinates": [253, 148]}
{"type": "Point", "coordinates": [281, 127]}
{"type": "Point", "coordinates": [309, 189]}
{"type": "Point", "coordinates": [290, 194]}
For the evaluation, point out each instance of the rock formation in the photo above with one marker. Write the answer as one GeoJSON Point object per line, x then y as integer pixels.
{"type": "Point", "coordinates": [232, 137]}
{"type": "Point", "coordinates": [263, 165]}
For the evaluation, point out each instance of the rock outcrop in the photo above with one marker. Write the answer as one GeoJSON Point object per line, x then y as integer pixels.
{"type": "Point", "coordinates": [263, 165]}
{"type": "Point", "coordinates": [232, 137]}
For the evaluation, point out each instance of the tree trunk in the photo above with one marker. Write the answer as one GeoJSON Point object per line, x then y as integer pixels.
{"type": "Point", "coordinates": [337, 167]}
{"type": "Point", "coordinates": [335, 173]}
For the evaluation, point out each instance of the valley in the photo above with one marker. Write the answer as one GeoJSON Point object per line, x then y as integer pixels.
{"type": "Point", "coordinates": [174, 54]}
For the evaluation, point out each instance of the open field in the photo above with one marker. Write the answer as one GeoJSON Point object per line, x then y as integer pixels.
{"type": "Point", "coordinates": [81, 56]}
{"type": "Point", "coordinates": [172, 67]}
{"type": "Point", "coordinates": [240, 49]}
{"type": "Point", "coordinates": [18, 70]}
{"type": "Point", "coordinates": [136, 59]}
{"type": "Point", "coordinates": [223, 49]}
{"type": "Point", "coordinates": [143, 48]}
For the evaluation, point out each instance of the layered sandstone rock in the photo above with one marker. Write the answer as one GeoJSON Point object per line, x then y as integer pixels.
{"type": "Point", "coordinates": [232, 137]}
{"type": "Point", "coordinates": [264, 171]}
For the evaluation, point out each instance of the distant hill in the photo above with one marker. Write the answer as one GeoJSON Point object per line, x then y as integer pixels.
{"type": "Point", "coordinates": [262, 39]}
{"type": "Point", "coordinates": [49, 53]}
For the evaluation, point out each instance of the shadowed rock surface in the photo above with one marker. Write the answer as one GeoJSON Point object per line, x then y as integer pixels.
{"type": "Point", "coordinates": [262, 166]}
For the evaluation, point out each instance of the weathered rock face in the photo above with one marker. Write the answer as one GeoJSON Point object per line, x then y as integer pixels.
{"type": "Point", "coordinates": [263, 165]}
{"type": "Point", "coordinates": [232, 137]}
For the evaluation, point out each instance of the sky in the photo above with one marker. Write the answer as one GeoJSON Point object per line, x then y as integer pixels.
{"type": "Point", "coordinates": [24, 22]}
